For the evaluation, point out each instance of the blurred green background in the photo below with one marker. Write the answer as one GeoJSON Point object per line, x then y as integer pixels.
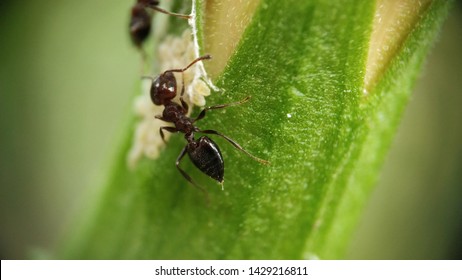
{"type": "Point", "coordinates": [67, 75]}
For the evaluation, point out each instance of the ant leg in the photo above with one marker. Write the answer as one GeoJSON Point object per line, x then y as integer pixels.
{"type": "Point", "coordinates": [186, 176]}
{"type": "Point", "coordinates": [154, 7]}
{"type": "Point", "coordinates": [169, 129]}
{"type": "Point", "coordinates": [221, 106]}
{"type": "Point", "coordinates": [236, 145]}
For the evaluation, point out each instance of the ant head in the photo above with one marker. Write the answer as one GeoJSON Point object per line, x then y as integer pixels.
{"type": "Point", "coordinates": [163, 88]}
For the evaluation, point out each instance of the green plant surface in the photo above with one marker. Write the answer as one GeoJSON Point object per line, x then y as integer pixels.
{"type": "Point", "coordinates": [304, 68]}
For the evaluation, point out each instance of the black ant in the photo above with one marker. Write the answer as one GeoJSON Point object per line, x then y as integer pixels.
{"type": "Point", "coordinates": [204, 153]}
{"type": "Point", "coordinates": [140, 21]}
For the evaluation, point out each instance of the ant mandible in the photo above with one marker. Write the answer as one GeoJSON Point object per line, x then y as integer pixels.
{"type": "Point", "coordinates": [203, 152]}
{"type": "Point", "coordinates": [140, 21]}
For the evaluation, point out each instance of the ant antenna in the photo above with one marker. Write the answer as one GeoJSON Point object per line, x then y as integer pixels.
{"type": "Point", "coordinates": [207, 56]}
{"type": "Point", "coordinates": [204, 57]}
{"type": "Point", "coordinates": [170, 13]}
{"type": "Point", "coordinates": [147, 78]}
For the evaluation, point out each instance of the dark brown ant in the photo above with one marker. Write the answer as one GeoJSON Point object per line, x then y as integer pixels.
{"type": "Point", "coordinates": [204, 153]}
{"type": "Point", "coordinates": [140, 21]}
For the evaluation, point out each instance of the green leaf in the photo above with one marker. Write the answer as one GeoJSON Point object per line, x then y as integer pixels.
{"type": "Point", "coordinates": [311, 114]}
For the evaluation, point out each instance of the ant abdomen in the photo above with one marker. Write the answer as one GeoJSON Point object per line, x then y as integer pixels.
{"type": "Point", "coordinates": [206, 156]}
{"type": "Point", "coordinates": [140, 24]}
